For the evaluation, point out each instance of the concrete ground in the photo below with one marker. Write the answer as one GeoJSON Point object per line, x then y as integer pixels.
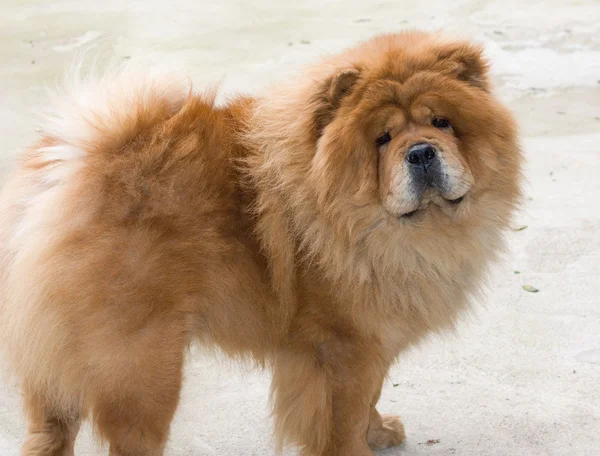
{"type": "Point", "coordinates": [523, 376]}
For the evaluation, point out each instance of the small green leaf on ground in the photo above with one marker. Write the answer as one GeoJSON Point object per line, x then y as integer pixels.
{"type": "Point", "coordinates": [520, 228]}
{"type": "Point", "coordinates": [395, 384]}
{"type": "Point", "coordinates": [517, 272]}
{"type": "Point", "coordinates": [530, 288]}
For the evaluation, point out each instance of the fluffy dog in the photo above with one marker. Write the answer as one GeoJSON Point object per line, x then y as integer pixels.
{"type": "Point", "coordinates": [319, 229]}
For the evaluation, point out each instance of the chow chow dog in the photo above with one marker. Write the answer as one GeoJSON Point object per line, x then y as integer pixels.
{"type": "Point", "coordinates": [319, 229]}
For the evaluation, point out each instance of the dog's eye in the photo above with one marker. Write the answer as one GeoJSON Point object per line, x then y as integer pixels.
{"type": "Point", "coordinates": [441, 123]}
{"type": "Point", "coordinates": [383, 139]}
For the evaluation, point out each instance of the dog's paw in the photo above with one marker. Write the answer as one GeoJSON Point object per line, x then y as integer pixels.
{"type": "Point", "coordinates": [389, 433]}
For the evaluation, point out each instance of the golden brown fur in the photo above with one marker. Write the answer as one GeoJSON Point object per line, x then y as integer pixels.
{"type": "Point", "coordinates": [273, 227]}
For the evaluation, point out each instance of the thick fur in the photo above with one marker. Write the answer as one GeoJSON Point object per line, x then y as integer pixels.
{"type": "Point", "coordinates": [146, 218]}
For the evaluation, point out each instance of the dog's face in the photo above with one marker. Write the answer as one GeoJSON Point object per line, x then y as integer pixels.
{"type": "Point", "coordinates": [414, 130]}
{"type": "Point", "coordinates": [420, 161]}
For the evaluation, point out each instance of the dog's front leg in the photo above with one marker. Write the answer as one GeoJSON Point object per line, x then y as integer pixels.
{"type": "Point", "coordinates": [323, 395]}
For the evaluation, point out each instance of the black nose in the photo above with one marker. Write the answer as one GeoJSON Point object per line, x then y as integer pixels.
{"type": "Point", "coordinates": [420, 154]}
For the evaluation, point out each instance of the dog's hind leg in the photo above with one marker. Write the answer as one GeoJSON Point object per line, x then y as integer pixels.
{"type": "Point", "coordinates": [52, 431]}
{"type": "Point", "coordinates": [134, 404]}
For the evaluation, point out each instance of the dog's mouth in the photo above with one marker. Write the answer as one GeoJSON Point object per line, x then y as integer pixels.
{"type": "Point", "coordinates": [423, 207]}
{"type": "Point", "coordinates": [410, 214]}
{"type": "Point", "coordinates": [457, 201]}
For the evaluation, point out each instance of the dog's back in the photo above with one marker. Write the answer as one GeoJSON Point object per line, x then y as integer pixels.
{"type": "Point", "coordinates": [117, 227]}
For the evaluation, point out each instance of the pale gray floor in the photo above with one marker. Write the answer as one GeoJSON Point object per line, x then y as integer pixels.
{"type": "Point", "coordinates": [523, 376]}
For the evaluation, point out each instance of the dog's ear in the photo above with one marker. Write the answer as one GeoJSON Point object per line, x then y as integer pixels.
{"type": "Point", "coordinates": [466, 62]}
{"type": "Point", "coordinates": [330, 96]}
{"type": "Point", "coordinates": [341, 84]}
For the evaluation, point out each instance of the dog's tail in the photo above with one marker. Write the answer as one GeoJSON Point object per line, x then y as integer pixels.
{"type": "Point", "coordinates": [117, 104]}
